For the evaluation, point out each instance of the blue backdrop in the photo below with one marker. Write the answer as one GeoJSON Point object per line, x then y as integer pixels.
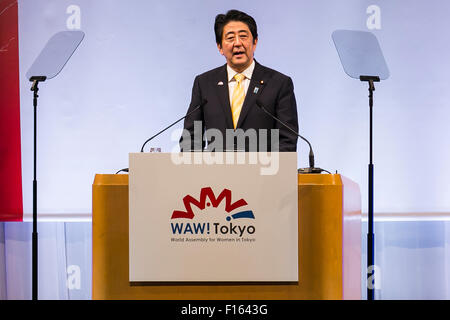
{"type": "Point", "coordinates": [133, 75]}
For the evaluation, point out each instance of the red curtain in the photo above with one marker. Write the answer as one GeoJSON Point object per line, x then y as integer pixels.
{"type": "Point", "coordinates": [11, 206]}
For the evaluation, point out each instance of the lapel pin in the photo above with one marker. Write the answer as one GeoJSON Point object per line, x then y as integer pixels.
{"type": "Point", "coordinates": [220, 83]}
{"type": "Point", "coordinates": [256, 90]}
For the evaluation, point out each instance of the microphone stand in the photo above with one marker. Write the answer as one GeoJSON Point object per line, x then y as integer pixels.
{"type": "Point", "coordinates": [170, 126]}
{"type": "Point", "coordinates": [187, 115]}
{"type": "Point", "coordinates": [370, 234]}
{"type": "Point", "coordinates": [34, 243]}
{"type": "Point", "coordinates": [311, 168]}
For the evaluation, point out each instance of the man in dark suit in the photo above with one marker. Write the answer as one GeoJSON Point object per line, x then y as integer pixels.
{"type": "Point", "coordinates": [230, 93]}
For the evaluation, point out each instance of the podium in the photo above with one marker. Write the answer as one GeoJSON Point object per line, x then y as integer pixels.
{"type": "Point", "coordinates": [329, 235]}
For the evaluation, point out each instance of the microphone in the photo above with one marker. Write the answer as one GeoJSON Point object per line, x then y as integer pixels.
{"type": "Point", "coordinates": [195, 109]}
{"type": "Point", "coordinates": [311, 168]}
{"type": "Point", "coordinates": [204, 101]}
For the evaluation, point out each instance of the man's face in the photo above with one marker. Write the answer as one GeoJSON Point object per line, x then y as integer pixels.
{"type": "Point", "coordinates": [238, 45]}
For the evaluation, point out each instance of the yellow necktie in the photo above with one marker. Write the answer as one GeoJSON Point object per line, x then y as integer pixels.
{"type": "Point", "coordinates": [238, 98]}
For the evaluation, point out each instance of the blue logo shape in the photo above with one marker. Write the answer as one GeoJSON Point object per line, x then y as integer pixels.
{"type": "Point", "coordinates": [243, 214]}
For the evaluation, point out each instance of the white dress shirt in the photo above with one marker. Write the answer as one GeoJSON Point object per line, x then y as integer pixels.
{"type": "Point", "coordinates": [246, 82]}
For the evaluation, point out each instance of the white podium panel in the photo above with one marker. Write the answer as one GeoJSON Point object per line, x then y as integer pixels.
{"type": "Point", "coordinates": [213, 217]}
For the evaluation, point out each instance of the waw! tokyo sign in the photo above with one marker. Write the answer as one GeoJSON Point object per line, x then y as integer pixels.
{"type": "Point", "coordinates": [212, 222]}
{"type": "Point", "coordinates": [184, 222]}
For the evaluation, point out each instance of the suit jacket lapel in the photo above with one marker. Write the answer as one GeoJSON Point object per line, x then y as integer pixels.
{"type": "Point", "coordinates": [256, 85]}
{"type": "Point", "coordinates": [221, 84]}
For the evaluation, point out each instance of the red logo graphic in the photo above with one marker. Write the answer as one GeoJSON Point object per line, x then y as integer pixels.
{"type": "Point", "coordinates": [207, 193]}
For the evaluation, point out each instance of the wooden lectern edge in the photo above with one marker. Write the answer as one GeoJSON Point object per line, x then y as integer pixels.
{"type": "Point", "coordinates": [110, 179]}
{"type": "Point", "coordinates": [311, 179]}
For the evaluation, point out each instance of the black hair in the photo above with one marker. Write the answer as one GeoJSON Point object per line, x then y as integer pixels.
{"type": "Point", "coordinates": [234, 15]}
